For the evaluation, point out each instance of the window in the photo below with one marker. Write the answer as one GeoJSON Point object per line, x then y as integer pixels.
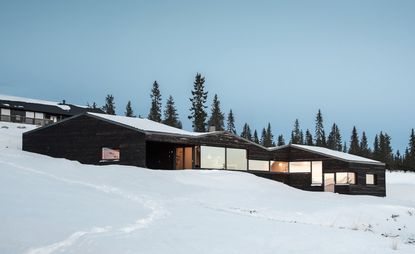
{"type": "Point", "coordinates": [39, 115]}
{"type": "Point", "coordinates": [259, 165]}
{"type": "Point", "coordinates": [109, 154]}
{"type": "Point", "coordinates": [316, 173]}
{"type": "Point", "coordinates": [345, 178]}
{"type": "Point", "coordinates": [236, 159]}
{"type": "Point", "coordinates": [300, 167]}
{"type": "Point", "coordinates": [5, 115]}
{"type": "Point", "coordinates": [279, 166]}
{"type": "Point", "coordinates": [370, 179]}
{"type": "Point", "coordinates": [212, 157]}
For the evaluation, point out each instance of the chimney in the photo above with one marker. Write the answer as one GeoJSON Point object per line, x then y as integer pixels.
{"type": "Point", "coordinates": [63, 102]}
{"type": "Point", "coordinates": [212, 128]}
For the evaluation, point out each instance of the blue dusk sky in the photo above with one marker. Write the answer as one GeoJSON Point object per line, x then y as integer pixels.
{"type": "Point", "coordinates": [270, 61]}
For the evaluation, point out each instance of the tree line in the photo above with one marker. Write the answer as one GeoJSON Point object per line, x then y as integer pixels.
{"type": "Point", "coordinates": [381, 149]}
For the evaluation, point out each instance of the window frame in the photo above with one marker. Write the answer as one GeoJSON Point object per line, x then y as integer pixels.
{"type": "Point", "coordinates": [113, 149]}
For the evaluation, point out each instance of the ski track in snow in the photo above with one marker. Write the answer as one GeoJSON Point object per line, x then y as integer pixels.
{"type": "Point", "coordinates": [157, 212]}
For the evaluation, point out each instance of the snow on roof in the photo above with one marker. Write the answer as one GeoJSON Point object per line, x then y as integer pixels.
{"type": "Point", "coordinates": [27, 100]}
{"type": "Point", "coordinates": [146, 125]}
{"type": "Point", "coordinates": [332, 153]}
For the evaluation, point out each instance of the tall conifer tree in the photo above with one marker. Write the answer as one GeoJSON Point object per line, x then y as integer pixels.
{"type": "Point", "coordinates": [255, 138]}
{"type": "Point", "coordinates": [230, 125]}
{"type": "Point", "coordinates": [155, 109]}
{"type": "Point", "coordinates": [109, 106]}
{"type": "Point", "coordinates": [280, 140]}
{"type": "Point", "coordinates": [320, 135]}
{"type": "Point", "coordinates": [246, 132]}
{"type": "Point", "coordinates": [129, 110]}
{"type": "Point", "coordinates": [198, 109]}
{"type": "Point", "coordinates": [296, 134]}
{"type": "Point", "coordinates": [364, 146]}
{"type": "Point", "coordinates": [171, 116]}
{"type": "Point", "coordinates": [216, 118]}
{"type": "Point", "coordinates": [334, 140]}
{"type": "Point", "coordinates": [309, 138]}
{"type": "Point", "coordinates": [354, 143]}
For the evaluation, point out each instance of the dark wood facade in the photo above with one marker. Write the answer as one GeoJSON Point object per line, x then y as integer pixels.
{"type": "Point", "coordinates": [82, 138]}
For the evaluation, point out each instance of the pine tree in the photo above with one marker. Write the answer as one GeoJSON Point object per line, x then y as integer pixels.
{"type": "Point", "coordinates": [155, 109]}
{"type": "Point", "coordinates": [230, 126]}
{"type": "Point", "coordinates": [171, 117]}
{"type": "Point", "coordinates": [263, 137]}
{"type": "Point", "coordinates": [109, 106]}
{"type": "Point", "coordinates": [198, 100]}
{"type": "Point", "coordinates": [308, 138]}
{"type": "Point", "coordinates": [246, 132]}
{"type": "Point", "coordinates": [364, 146]}
{"type": "Point", "coordinates": [129, 110]}
{"type": "Point", "coordinates": [376, 150]}
{"type": "Point", "coordinates": [410, 159]}
{"type": "Point", "coordinates": [354, 143]}
{"type": "Point", "coordinates": [216, 117]}
{"type": "Point", "coordinates": [296, 134]}
{"type": "Point", "coordinates": [320, 135]}
{"type": "Point", "coordinates": [334, 140]}
{"type": "Point", "coordinates": [385, 149]}
{"type": "Point", "coordinates": [256, 139]}
{"type": "Point", "coordinates": [344, 147]}
{"type": "Point", "coordinates": [280, 141]}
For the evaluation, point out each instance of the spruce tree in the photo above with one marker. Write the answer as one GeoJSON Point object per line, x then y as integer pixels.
{"type": "Point", "coordinates": [344, 147]}
{"type": "Point", "coordinates": [376, 150]}
{"type": "Point", "coordinates": [155, 109]}
{"type": "Point", "coordinates": [334, 140]}
{"type": "Point", "coordinates": [354, 143]}
{"type": "Point", "coordinates": [246, 132]}
{"type": "Point", "coordinates": [171, 117]}
{"type": "Point", "coordinates": [320, 135]}
{"type": "Point", "coordinates": [364, 146]}
{"type": "Point", "coordinates": [309, 138]}
{"type": "Point", "coordinates": [263, 137]}
{"type": "Point", "coordinates": [256, 139]}
{"type": "Point", "coordinates": [216, 117]}
{"type": "Point", "coordinates": [385, 149]}
{"type": "Point", "coordinates": [410, 160]}
{"type": "Point", "coordinates": [129, 110]}
{"type": "Point", "coordinates": [109, 106]}
{"type": "Point", "coordinates": [230, 125]}
{"type": "Point", "coordinates": [280, 141]}
{"type": "Point", "coordinates": [267, 139]}
{"type": "Point", "coordinates": [296, 134]}
{"type": "Point", "coordinates": [197, 110]}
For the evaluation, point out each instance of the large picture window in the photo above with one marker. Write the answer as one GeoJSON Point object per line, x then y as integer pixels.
{"type": "Point", "coordinates": [212, 157]}
{"type": "Point", "coordinates": [109, 154]}
{"type": "Point", "coordinates": [258, 165]}
{"type": "Point", "coordinates": [279, 166]}
{"type": "Point", "coordinates": [345, 178]}
{"type": "Point", "coordinates": [300, 167]}
{"type": "Point", "coordinates": [317, 173]}
{"type": "Point", "coordinates": [236, 159]}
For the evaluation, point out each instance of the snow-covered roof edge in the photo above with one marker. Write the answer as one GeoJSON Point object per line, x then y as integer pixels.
{"type": "Point", "coordinates": [36, 101]}
{"type": "Point", "coordinates": [330, 153]}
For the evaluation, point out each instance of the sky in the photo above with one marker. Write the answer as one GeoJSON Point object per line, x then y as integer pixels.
{"type": "Point", "coordinates": [268, 61]}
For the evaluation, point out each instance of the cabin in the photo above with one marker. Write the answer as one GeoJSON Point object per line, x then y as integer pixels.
{"type": "Point", "coordinates": [101, 139]}
{"type": "Point", "coordinates": [37, 112]}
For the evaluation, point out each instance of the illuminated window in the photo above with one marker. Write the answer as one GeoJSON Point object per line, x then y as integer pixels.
{"type": "Point", "coordinates": [259, 165]}
{"type": "Point", "coordinates": [109, 154]}
{"type": "Point", "coordinates": [212, 157]}
{"type": "Point", "coordinates": [370, 179]}
{"type": "Point", "coordinates": [236, 159]}
{"type": "Point", "coordinates": [279, 166]}
{"type": "Point", "coordinates": [300, 167]}
{"type": "Point", "coordinates": [345, 178]}
{"type": "Point", "coordinates": [317, 173]}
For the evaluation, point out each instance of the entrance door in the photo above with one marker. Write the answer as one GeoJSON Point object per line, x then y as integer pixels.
{"type": "Point", "coordinates": [329, 182]}
{"type": "Point", "coordinates": [184, 157]}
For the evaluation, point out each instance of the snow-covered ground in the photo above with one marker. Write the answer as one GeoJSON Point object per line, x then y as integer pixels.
{"type": "Point", "coordinates": [52, 205]}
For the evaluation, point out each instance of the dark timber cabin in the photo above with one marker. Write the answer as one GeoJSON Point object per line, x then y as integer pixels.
{"type": "Point", "coordinates": [101, 139]}
{"type": "Point", "coordinates": [38, 112]}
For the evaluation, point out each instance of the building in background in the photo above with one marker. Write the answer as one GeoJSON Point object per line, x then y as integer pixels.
{"type": "Point", "coordinates": [38, 112]}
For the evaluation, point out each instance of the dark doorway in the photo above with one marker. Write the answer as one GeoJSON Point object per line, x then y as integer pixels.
{"type": "Point", "coordinates": [160, 155]}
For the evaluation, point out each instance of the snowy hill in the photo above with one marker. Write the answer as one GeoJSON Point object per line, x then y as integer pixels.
{"type": "Point", "coordinates": [58, 206]}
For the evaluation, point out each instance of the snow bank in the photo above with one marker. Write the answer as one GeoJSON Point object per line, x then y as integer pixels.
{"type": "Point", "coordinates": [59, 206]}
